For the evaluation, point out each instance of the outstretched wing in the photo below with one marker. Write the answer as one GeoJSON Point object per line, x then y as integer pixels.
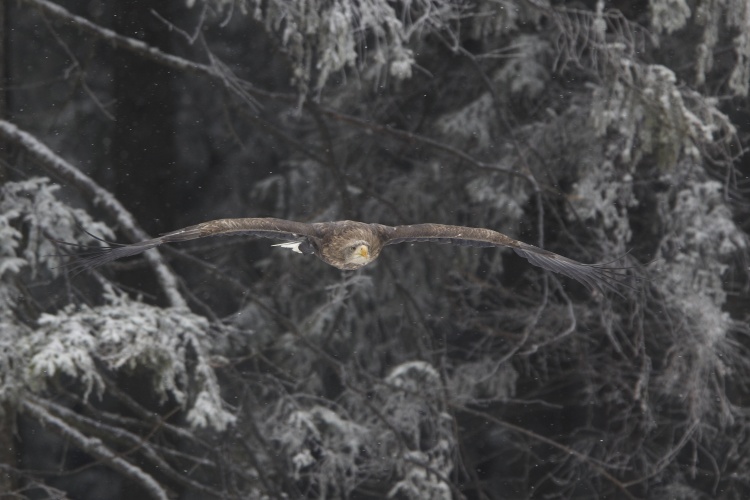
{"type": "Point", "coordinates": [261, 228]}
{"type": "Point", "coordinates": [594, 276]}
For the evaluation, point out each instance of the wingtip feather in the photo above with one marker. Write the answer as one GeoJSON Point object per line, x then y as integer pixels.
{"type": "Point", "coordinates": [599, 277]}
{"type": "Point", "coordinates": [90, 257]}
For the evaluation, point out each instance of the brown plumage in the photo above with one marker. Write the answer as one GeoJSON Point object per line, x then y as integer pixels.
{"type": "Point", "coordinates": [351, 245]}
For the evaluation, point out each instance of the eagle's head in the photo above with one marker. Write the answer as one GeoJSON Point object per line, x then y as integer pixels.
{"type": "Point", "coordinates": [356, 254]}
{"type": "Point", "coordinates": [348, 244]}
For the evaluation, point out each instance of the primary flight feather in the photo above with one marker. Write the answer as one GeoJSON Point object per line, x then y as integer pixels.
{"type": "Point", "coordinates": [351, 245]}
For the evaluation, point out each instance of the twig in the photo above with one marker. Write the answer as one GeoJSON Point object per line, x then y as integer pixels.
{"type": "Point", "coordinates": [538, 437]}
{"type": "Point", "coordinates": [136, 444]}
{"type": "Point", "coordinates": [78, 67]}
{"type": "Point", "coordinates": [190, 38]}
{"type": "Point", "coordinates": [338, 175]}
{"type": "Point", "coordinates": [151, 53]}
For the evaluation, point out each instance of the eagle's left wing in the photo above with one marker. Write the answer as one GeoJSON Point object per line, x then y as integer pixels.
{"type": "Point", "coordinates": [594, 276]}
{"type": "Point", "coordinates": [279, 229]}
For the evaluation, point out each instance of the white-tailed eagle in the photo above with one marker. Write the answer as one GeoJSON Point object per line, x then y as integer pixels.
{"type": "Point", "coordinates": [351, 245]}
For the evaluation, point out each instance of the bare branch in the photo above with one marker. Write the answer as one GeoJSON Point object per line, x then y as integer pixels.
{"type": "Point", "coordinates": [599, 467]}
{"type": "Point", "coordinates": [94, 447]}
{"type": "Point", "coordinates": [136, 443]}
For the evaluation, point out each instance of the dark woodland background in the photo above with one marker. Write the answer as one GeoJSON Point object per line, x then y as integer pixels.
{"type": "Point", "coordinates": [227, 368]}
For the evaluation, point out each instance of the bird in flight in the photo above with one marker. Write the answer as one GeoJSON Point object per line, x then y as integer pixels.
{"type": "Point", "coordinates": [350, 245]}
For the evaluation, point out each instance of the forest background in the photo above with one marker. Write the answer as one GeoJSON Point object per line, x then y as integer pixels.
{"type": "Point", "coordinates": [230, 369]}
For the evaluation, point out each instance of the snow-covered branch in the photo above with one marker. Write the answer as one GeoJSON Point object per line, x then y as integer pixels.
{"type": "Point", "coordinates": [117, 40]}
{"type": "Point", "coordinates": [60, 168]}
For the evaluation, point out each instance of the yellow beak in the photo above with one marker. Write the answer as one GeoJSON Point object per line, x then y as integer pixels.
{"type": "Point", "coordinates": [363, 252]}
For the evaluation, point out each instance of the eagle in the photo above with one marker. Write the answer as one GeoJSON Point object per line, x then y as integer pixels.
{"type": "Point", "coordinates": [350, 245]}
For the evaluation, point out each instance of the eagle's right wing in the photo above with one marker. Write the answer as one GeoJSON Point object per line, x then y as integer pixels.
{"type": "Point", "coordinates": [279, 229]}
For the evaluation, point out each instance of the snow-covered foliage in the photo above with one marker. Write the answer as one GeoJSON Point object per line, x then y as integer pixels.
{"type": "Point", "coordinates": [78, 340]}
{"type": "Point", "coordinates": [335, 450]}
{"type": "Point", "coordinates": [669, 15]}
{"type": "Point", "coordinates": [645, 106]}
{"type": "Point", "coordinates": [125, 336]}
{"type": "Point", "coordinates": [30, 213]}
{"type": "Point", "coordinates": [527, 72]}
{"type": "Point", "coordinates": [322, 38]}
{"type": "Point", "coordinates": [700, 242]}
{"type": "Point", "coordinates": [491, 18]}
{"type": "Point", "coordinates": [730, 17]}
{"type": "Point", "coordinates": [324, 446]}
{"type": "Point", "coordinates": [416, 411]}
{"type": "Point", "coordinates": [11, 365]}
{"type": "Point", "coordinates": [425, 474]}
{"type": "Point", "coordinates": [474, 122]}
{"type": "Point", "coordinates": [604, 195]}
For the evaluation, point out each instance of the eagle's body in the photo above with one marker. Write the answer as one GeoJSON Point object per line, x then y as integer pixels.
{"type": "Point", "coordinates": [350, 245]}
{"type": "Point", "coordinates": [334, 240]}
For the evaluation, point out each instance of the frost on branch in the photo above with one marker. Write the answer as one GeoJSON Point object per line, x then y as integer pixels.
{"type": "Point", "coordinates": [415, 410]}
{"type": "Point", "coordinates": [11, 370]}
{"type": "Point", "coordinates": [482, 380]}
{"type": "Point", "coordinates": [472, 122]}
{"type": "Point", "coordinates": [653, 115]}
{"type": "Point", "coordinates": [424, 474]}
{"type": "Point", "coordinates": [604, 195]}
{"type": "Point", "coordinates": [324, 446]}
{"type": "Point", "coordinates": [323, 37]}
{"type": "Point", "coordinates": [701, 240]}
{"type": "Point", "coordinates": [738, 80]}
{"type": "Point", "coordinates": [418, 387]}
{"type": "Point", "coordinates": [669, 15]}
{"type": "Point", "coordinates": [399, 429]}
{"type": "Point", "coordinates": [29, 210]}
{"type": "Point", "coordinates": [718, 20]}
{"type": "Point", "coordinates": [125, 335]}
{"type": "Point", "coordinates": [527, 72]}
{"type": "Point", "coordinates": [501, 17]}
